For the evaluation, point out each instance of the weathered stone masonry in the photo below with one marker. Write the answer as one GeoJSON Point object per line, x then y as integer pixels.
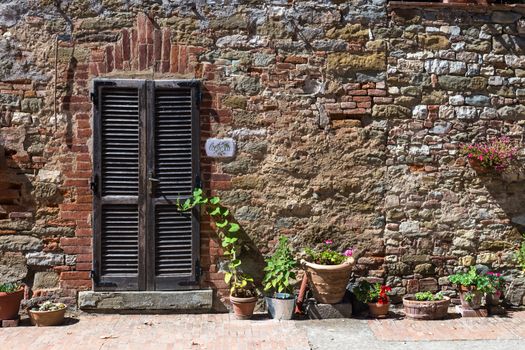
{"type": "Point", "coordinates": [348, 116]}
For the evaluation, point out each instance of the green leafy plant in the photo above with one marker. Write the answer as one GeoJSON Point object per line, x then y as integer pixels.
{"type": "Point", "coordinates": [279, 269]}
{"type": "Point", "coordinates": [472, 281]}
{"type": "Point", "coordinates": [49, 306]}
{"type": "Point", "coordinates": [326, 255]}
{"type": "Point", "coordinates": [10, 287]}
{"type": "Point", "coordinates": [367, 292]}
{"type": "Point", "coordinates": [241, 284]}
{"type": "Point", "coordinates": [428, 296]}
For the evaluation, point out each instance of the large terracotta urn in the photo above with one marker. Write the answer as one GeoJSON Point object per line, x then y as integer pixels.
{"type": "Point", "coordinates": [328, 282]}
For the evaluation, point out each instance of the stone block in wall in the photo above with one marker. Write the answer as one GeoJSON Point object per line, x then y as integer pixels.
{"type": "Point", "coordinates": [345, 64]}
{"type": "Point", "coordinates": [516, 112]}
{"type": "Point", "coordinates": [45, 259]}
{"type": "Point", "coordinates": [45, 280]}
{"type": "Point", "coordinates": [10, 100]}
{"type": "Point", "coordinates": [19, 243]}
{"type": "Point", "coordinates": [12, 267]}
{"type": "Point", "coordinates": [505, 17]}
{"type": "Point", "coordinates": [391, 112]}
{"type": "Point", "coordinates": [515, 294]}
{"type": "Point", "coordinates": [31, 105]}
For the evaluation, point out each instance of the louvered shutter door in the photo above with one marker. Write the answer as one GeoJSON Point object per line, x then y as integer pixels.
{"type": "Point", "coordinates": [117, 179]}
{"type": "Point", "coordinates": [173, 166]}
{"type": "Point", "coordinates": [145, 157]}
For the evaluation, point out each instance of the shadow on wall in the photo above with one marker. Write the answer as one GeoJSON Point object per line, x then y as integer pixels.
{"type": "Point", "coordinates": [508, 190]}
{"type": "Point", "coordinates": [17, 209]}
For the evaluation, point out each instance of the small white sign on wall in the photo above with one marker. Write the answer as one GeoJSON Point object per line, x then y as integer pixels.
{"type": "Point", "coordinates": [220, 148]}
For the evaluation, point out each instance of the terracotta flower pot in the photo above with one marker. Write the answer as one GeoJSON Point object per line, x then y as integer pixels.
{"type": "Point", "coordinates": [10, 304]}
{"type": "Point", "coordinates": [378, 310]}
{"type": "Point", "coordinates": [473, 304]}
{"type": "Point", "coordinates": [426, 310]}
{"type": "Point", "coordinates": [243, 307]}
{"type": "Point", "coordinates": [47, 318]}
{"type": "Point", "coordinates": [476, 165]}
{"type": "Point", "coordinates": [328, 282]}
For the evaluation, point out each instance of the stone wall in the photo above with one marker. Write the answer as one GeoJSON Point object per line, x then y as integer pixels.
{"type": "Point", "coordinates": [348, 117]}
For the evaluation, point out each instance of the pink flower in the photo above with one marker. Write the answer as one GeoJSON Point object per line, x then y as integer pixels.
{"type": "Point", "coordinates": [328, 241]}
{"type": "Point", "coordinates": [348, 252]}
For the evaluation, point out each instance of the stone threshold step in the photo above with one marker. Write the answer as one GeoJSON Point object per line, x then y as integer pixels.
{"type": "Point", "coordinates": [189, 301]}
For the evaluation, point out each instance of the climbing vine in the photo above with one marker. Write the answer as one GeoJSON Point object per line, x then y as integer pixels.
{"type": "Point", "coordinates": [240, 283]}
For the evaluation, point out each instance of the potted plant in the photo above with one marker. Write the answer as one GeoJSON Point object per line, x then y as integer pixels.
{"type": "Point", "coordinates": [243, 295]}
{"type": "Point", "coordinates": [498, 286]}
{"type": "Point", "coordinates": [495, 155]}
{"type": "Point", "coordinates": [48, 314]}
{"type": "Point", "coordinates": [278, 273]}
{"type": "Point", "coordinates": [426, 306]}
{"type": "Point", "coordinates": [328, 272]}
{"type": "Point", "coordinates": [375, 295]}
{"type": "Point", "coordinates": [472, 287]}
{"type": "Point", "coordinates": [11, 294]}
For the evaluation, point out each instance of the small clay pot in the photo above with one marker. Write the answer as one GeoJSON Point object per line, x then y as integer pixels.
{"type": "Point", "coordinates": [378, 310]}
{"type": "Point", "coordinates": [47, 318]}
{"type": "Point", "coordinates": [243, 307]}
{"type": "Point", "coordinates": [10, 304]}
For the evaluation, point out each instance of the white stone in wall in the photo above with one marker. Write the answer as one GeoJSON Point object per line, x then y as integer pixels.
{"type": "Point", "coordinates": [409, 227]}
{"type": "Point", "coordinates": [457, 67]}
{"type": "Point", "coordinates": [422, 150]}
{"type": "Point", "coordinates": [53, 176]}
{"type": "Point", "coordinates": [420, 112]}
{"type": "Point", "coordinates": [466, 113]}
{"type": "Point", "coordinates": [456, 100]}
{"type": "Point", "coordinates": [452, 30]}
{"type": "Point", "coordinates": [516, 81]}
{"type": "Point", "coordinates": [487, 70]}
{"type": "Point", "coordinates": [515, 61]}
{"type": "Point", "coordinates": [437, 66]}
{"type": "Point", "coordinates": [20, 118]}
{"type": "Point", "coordinates": [495, 80]}
{"type": "Point", "coordinates": [472, 70]}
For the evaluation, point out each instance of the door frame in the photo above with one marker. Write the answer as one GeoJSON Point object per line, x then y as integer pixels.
{"type": "Point", "coordinates": [146, 215]}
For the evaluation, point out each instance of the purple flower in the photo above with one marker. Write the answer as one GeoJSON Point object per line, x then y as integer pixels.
{"type": "Point", "coordinates": [348, 252]}
{"type": "Point", "coordinates": [328, 241]}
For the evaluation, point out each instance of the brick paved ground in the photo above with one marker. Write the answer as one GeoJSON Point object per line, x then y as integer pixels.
{"type": "Point", "coordinates": [159, 332]}
{"type": "Point", "coordinates": [511, 326]}
{"type": "Point", "coordinates": [223, 331]}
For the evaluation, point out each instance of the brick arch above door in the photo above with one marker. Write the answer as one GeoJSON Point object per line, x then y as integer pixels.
{"type": "Point", "coordinates": [146, 47]}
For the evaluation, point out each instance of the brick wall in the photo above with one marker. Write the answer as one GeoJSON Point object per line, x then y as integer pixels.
{"type": "Point", "coordinates": [348, 122]}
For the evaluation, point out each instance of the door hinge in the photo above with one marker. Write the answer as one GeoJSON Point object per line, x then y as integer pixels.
{"type": "Point", "coordinates": [93, 275]}
{"type": "Point", "coordinates": [198, 270]}
{"type": "Point", "coordinates": [94, 98]}
{"type": "Point", "coordinates": [93, 184]}
{"type": "Point", "coordinates": [199, 96]}
{"type": "Point", "coordinates": [198, 183]}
